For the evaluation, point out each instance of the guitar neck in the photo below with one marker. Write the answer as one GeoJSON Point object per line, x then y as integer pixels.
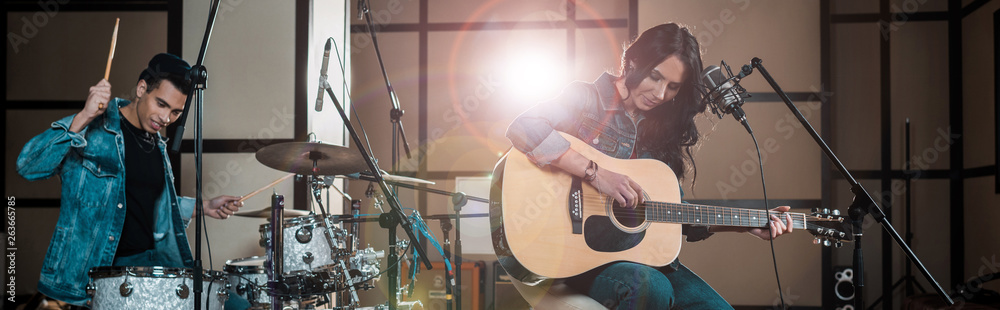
{"type": "Point", "coordinates": [683, 213]}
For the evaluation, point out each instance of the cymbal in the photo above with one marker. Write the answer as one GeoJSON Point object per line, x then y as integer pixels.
{"type": "Point", "coordinates": [266, 213]}
{"type": "Point", "coordinates": [298, 157]}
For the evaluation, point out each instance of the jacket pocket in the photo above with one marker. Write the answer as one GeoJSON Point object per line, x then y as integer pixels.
{"type": "Point", "coordinates": [599, 133]}
{"type": "Point", "coordinates": [55, 254]}
{"type": "Point", "coordinates": [95, 183]}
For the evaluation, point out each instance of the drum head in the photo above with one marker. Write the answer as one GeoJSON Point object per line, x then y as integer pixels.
{"type": "Point", "coordinates": [140, 271]}
{"type": "Point", "coordinates": [253, 264]}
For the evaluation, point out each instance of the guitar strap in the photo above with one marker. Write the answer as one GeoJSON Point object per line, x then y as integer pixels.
{"type": "Point", "coordinates": [576, 205]}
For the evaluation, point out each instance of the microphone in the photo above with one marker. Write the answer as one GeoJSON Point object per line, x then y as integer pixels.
{"type": "Point", "coordinates": [322, 76]}
{"type": "Point", "coordinates": [725, 95]}
{"type": "Point", "coordinates": [361, 9]}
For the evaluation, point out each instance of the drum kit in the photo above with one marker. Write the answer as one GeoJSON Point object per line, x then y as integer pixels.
{"type": "Point", "coordinates": [317, 256]}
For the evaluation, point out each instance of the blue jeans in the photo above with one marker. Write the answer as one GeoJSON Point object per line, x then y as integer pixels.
{"type": "Point", "coordinates": [626, 285]}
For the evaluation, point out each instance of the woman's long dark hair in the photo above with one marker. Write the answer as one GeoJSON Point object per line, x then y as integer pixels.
{"type": "Point", "coordinates": [668, 131]}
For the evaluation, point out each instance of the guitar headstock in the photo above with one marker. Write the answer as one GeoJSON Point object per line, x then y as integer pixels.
{"type": "Point", "coordinates": [829, 227]}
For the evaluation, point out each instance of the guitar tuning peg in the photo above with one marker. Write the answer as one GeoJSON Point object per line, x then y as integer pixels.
{"type": "Point", "coordinates": [836, 212]}
{"type": "Point", "coordinates": [838, 244]}
{"type": "Point", "coordinates": [816, 241]}
{"type": "Point", "coordinates": [815, 210]}
{"type": "Point", "coordinates": [827, 242]}
{"type": "Point", "coordinates": [826, 211]}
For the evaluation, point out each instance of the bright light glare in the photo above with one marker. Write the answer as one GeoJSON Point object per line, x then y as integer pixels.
{"type": "Point", "coordinates": [533, 75]}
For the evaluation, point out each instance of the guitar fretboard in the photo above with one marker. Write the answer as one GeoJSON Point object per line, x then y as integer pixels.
{"type": "Point", "coordinates": [683, 213]}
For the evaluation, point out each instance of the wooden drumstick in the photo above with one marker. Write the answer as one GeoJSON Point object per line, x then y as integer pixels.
{"type": "Point", "coordinates": [111, 55]}
{"type": "Point", "coordinates": [251, 194]}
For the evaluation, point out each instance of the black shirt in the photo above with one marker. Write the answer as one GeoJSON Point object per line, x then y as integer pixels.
{"type": "Point", "coordinates": [144, 181]}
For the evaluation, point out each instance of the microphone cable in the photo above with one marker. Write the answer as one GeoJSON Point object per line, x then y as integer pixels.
{"type": "Point", "coordinates": [767, 211]}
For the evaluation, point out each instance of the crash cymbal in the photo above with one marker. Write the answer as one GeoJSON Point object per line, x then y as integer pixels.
{"type": "Point", "coordinates": [266, 213]}
{"type": "Point", "coordinates": [298, 157]}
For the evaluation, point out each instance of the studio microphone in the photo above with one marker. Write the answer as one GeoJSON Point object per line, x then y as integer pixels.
{"type": "Point", "coordinates": [361, 9]}
{"type": "Point", "coordinates": [322, 76]}
{"type": "Point", "coordinates": [724, 93]}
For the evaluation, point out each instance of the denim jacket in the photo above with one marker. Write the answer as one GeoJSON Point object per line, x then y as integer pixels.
{"type": "Point", "coordinates": [590, 112]}
{"type": "Point", "coordinates": [92, 208]}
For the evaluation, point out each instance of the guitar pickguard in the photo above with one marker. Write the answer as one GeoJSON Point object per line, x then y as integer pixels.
{"type": "Point", "coordinates": [601, 235]}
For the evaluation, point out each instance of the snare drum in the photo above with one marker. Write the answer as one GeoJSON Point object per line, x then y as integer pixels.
{"type": "Point", "coordinates": [127, 287]}
{"type": "Point", "coordinates": [248, 279]}
{"type": "Point", "coordinates": [306, 247]}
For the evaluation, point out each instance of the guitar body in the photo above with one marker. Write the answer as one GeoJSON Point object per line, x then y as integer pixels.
{"type": "Point", "coordinates": [532, 229]}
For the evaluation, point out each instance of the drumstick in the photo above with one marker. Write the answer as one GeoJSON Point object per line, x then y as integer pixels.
{"type": "Point", "coordinates": [251, 194]}
{"type": "Point", "coordinates": [111, 55]}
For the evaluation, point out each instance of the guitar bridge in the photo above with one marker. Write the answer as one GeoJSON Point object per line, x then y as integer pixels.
{"type": "Point", "coordinates": [576, 205]}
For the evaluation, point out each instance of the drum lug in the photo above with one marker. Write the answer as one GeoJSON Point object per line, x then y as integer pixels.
{"type": "Point", "coordinates": [307, 258]}
{"type": "Point", "coordinates": [223, 295]}
{"type": "Point", "coordinates": [304, 234]}
{"type": "Point", "coordinates": [183, 291]}
{"type": "Point", "coordinates": [125, 289]}
{"type": "Point", "coordinates": [241, 289]}
{"type": "Point", "coordinates": [91, 289]}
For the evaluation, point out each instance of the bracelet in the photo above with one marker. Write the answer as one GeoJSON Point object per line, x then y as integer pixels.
{"type": "Point", "coordinates": [588, 174]}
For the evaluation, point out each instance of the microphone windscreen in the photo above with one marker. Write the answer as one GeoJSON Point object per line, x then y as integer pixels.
{"type": "Point", "coordinates": [712, 76]}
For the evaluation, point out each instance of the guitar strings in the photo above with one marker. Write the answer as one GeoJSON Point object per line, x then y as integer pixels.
{"type": "Point", "coordinates": [799, 220]}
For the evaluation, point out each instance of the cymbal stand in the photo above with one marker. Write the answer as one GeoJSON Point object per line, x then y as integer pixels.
{"type": "Point", "coordinates": [448, 277]}
{"type": "Point", "coordinates": [331, 236]}
{"type": "Point", "coordinates": [275, 250]}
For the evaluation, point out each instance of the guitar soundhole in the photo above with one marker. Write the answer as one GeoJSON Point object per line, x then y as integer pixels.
{"type": "Point", "coordinates": [628, 217]}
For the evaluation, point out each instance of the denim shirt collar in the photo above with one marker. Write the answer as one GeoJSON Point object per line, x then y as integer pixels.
{"type": "Point", "coordinates": [608, 95]}
{"type": "Point", "coordinates": [112, 119]}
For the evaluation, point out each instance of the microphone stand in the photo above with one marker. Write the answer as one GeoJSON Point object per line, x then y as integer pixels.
{"type": "Point", "coordinates": [396, 113]}
{"type": "Point", "coordinates": [395, 214]}
{"type": "Point", "coordinates": [199, 81]}
{"type": "Point", "coordinates": [862, 205]}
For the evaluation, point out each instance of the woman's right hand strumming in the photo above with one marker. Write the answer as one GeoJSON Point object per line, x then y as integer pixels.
{"type": "Point", "coordinates": [618, 186]}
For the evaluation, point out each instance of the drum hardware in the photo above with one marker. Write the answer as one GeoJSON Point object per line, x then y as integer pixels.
{"type": "Point", "coordinates": [125, 289]}
{"type": "Point", "coordinates": [304, 234]}
{"type": "Point", "coordinates": [91, 288]}
{"type": "Point", "coordinates": [275, 250]}
{"type": "Point", "coordinates": [182, 290]}
{"type": "Point", "coordinates": [307, 258]}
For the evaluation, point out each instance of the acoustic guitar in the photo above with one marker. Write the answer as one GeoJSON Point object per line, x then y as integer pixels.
{"type": "Point", "coordinates": [547, 223]}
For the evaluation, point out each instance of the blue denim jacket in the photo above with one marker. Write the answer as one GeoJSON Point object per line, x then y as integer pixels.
{"type": "Point", "coordinates": [590, 112]}
{"type": "Point", "coordinates": [92, 209]}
